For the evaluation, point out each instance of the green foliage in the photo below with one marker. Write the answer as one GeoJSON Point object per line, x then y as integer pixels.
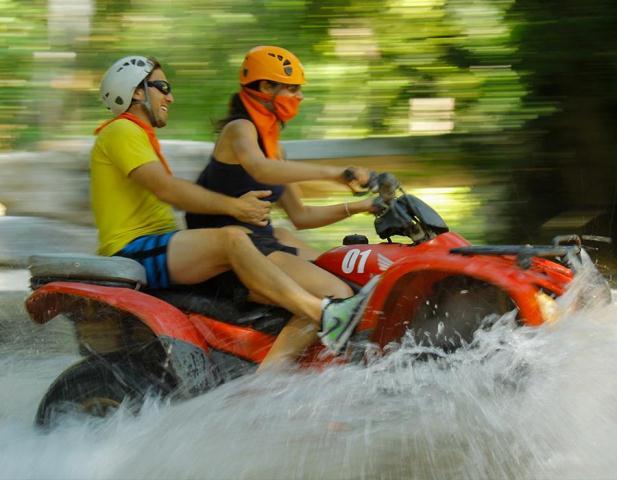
{"type": "Point", "coordinates": [366, 60]}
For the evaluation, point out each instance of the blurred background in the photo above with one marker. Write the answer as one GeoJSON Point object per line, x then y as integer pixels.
{"type": "Point", "coordinates": [499, 113]}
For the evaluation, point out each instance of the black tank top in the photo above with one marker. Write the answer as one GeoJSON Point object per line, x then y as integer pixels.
{"type": "Point", "coordinates": [234, 181]}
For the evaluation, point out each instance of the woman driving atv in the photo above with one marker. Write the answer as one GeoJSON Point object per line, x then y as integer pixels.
{"type": "Point", "coordinates": [248, 156]}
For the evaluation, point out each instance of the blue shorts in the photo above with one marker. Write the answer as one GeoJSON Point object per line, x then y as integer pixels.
{"type": "Point", "coordinates": [151, 252]}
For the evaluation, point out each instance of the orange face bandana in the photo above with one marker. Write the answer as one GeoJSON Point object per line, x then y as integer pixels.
{"type": "Point", "coordinates": [286, 108]}
{"type": "Point", "coordinates": [265, 120]}
{"type": "Point", "coordinates": [154, 141]}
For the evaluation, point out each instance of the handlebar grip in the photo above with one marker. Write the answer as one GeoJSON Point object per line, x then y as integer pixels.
{"type": "Point", "coordinates": [373, 182]}
{"type": "Point", "coordinates": [349, 174]}
{"type": "Point", "coordinates": [372, 185]}
{"type": "Point", "coordinates": [387, 186]}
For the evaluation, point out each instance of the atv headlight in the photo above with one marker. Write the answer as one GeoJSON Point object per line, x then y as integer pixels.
{"type": "Point", "coordinates": [548, 307]}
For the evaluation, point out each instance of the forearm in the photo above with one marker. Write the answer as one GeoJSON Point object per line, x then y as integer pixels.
{"type": "Point", "coordinates": [313, 216]}
{"type": "Point", "coordinates": [275, 172]}
{"type": "Point", "coordinates": [190, 197]}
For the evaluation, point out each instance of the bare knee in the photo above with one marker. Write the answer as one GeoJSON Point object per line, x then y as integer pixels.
{"type": "Point", "coordinates": [234, 238]}
{"type": "Point", "coordinates": [217, 244]}
{"type": "Point", "coordinates": [341, 290]}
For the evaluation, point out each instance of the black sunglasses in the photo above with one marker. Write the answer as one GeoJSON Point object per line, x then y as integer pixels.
{"type": "Point", "coordinates": [161, 85]}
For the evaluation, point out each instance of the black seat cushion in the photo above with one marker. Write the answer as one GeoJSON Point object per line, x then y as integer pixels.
{"type": "Point", "coordinates": [226, 299]}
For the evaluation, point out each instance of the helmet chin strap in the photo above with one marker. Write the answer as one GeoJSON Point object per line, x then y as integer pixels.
{"type": "Point", "coordinates": [148, 106]}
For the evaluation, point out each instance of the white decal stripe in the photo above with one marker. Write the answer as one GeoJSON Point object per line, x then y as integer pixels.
{"type": "Point", "coordinates": [383, 262]}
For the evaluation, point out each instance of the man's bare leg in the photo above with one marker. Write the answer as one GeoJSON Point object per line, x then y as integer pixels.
{"type": "Point", "coordinates": [197, 255]}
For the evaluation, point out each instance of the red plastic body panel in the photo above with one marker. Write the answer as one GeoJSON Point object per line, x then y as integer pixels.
{"type": "Point", "coordinates": [359, 263]}
{"type": "Point", "coordinates": [250, 344]}
{"type": "Point", "coordinates": [408, 274]}
{"type": "Point", "coordinates": [162, 318]}
{"type": "Point", "coordinates": [243, 342]}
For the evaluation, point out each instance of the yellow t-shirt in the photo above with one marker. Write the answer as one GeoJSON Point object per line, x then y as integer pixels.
{"type": "Point", "coordinates": [123, 209]}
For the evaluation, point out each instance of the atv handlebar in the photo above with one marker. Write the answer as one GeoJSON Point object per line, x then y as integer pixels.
{"type": "Point", "coordinates": [399, 213]}
{"type": "Point", "coordinates": [387, 186]}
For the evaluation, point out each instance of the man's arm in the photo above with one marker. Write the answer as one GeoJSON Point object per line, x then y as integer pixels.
{"type": "Point", "coordinates": [190, 197]}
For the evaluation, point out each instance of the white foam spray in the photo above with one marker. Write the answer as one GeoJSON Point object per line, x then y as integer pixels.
{"type": "Point", "coordinates": [519, 403]}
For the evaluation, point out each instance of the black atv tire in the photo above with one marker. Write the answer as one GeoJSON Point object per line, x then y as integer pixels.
{"type": "Point", "coordinates": [96, 387]}
{"type": "Point", "coordinates": [457, 307]}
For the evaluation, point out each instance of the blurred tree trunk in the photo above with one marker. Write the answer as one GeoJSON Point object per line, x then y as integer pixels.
{"type": "Point", "coordinates": [568, 49]}
{"type": "Point", "coordinates": [54, 70]}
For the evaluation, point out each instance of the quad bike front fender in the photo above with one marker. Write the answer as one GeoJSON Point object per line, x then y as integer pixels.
{"type": "Point", "coordinates": [405, 285]}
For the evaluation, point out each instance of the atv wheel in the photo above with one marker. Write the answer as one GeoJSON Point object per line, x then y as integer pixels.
{"type": "Point", "coordinates": [457, 307]}
{"type": "Point", "coordinates": [96, 387]}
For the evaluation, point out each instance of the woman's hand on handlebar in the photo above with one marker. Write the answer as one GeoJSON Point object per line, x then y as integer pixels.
{"type": "Point", "coordinates": [359, 179]}
{"type": "Point", "coordinates": [378, 206]}
{"type": "Point", "coordinates": [386, 185]}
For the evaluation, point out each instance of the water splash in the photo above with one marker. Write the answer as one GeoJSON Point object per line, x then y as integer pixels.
{"type": "Point", "coordinates": [517, 403]}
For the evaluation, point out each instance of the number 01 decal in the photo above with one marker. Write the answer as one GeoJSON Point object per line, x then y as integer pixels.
{"type": "Point", "coordinates": [351, 260]}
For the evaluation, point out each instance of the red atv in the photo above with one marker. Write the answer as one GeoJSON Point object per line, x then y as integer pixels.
{"type": "Point", "coordinates": [183, 341]}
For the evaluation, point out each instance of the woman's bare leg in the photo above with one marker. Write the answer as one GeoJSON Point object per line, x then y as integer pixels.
{"type": "Point", "coordinates": [301, 332]}
{"type": "Point", "coordinates": [196, 255]}
{"type": "Point", "coordinates": [287, 237]}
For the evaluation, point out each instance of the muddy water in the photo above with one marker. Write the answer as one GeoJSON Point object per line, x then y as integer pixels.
{"type": "Point", "coordinates": [522, 403]}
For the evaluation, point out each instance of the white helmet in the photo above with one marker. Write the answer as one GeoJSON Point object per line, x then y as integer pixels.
{"type": "Point", "coordinates": [121, 80]}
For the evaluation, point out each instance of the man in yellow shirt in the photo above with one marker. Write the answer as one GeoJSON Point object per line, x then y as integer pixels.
{"type": "Point", "coordinates": [133, 191]}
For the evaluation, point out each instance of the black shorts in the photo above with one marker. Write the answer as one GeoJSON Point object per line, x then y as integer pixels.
{"type": "Point", "coordinates": [267, 244]}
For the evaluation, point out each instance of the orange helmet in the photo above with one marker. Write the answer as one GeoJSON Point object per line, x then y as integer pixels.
{"type": "Point", "coordinates": [271, 63]}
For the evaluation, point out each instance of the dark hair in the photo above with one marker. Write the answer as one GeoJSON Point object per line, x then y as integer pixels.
{"type": "Point", "coordinates": [156, 65]}
{"type": "Point", "coordinates": [235, 111]}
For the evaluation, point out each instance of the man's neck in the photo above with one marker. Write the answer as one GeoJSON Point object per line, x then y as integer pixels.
{"type": "Point", "coordinates": [140, 112]}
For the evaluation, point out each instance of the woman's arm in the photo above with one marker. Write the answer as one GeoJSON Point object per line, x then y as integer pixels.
{"type": "Point", "coordinates": [241, 137]}
{"type": "Point", "coordinates": [303, 216]}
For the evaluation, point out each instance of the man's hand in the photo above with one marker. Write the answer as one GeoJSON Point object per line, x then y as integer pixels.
{"type": "Point", "coordinates": [356, 178]}
{"type": "Point", "coordinates": [250, 209]}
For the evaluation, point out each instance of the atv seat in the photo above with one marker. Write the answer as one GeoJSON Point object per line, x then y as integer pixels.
{"type": "Point", "coordinates": [224, 298]}
{"type": "Point", "coordinates": [109, 271]}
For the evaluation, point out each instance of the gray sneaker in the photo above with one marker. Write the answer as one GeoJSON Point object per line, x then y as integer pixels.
{"type": "Point", "coordinates": [341, 316]}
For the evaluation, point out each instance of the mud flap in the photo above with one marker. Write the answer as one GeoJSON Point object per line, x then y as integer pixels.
{"type": "Point", "coordinates": [192, 369]}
